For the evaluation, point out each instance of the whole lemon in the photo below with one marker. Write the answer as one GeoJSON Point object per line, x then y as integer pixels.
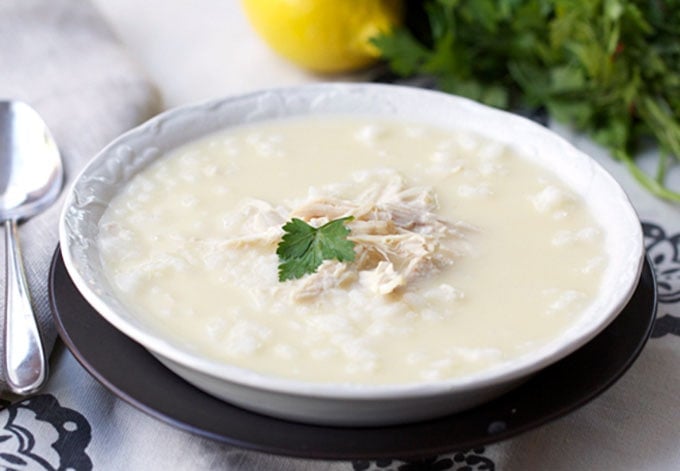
{"type": "Point", "coordinates": [327, 36]}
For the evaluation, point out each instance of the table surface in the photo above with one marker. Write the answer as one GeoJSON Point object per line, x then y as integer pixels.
{"type": "Point", "coordinates": [229, 59]}
{"type": "Point", "coordinates": [194, 51]}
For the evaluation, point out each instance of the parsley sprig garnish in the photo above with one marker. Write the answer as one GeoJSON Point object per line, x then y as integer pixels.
{"type": "Point", "coordinates": [303, 247]}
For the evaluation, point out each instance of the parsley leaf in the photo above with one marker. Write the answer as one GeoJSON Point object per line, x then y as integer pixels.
{"type": "Point", "coordinates": [303, 247]}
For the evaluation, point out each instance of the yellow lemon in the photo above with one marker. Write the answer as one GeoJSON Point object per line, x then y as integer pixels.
{"type": "Point", "coordinates": [327, 36]}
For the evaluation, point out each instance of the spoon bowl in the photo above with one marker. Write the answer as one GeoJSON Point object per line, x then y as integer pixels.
{"type": "Point", "coordinates": [31, 176]}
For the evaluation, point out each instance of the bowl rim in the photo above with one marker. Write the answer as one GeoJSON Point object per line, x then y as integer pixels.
{"type": "Point", "coordinates": [506, 371]}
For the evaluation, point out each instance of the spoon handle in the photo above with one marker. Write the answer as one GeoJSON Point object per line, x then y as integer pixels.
{"type": "Point", "coordinates": [24, 365]}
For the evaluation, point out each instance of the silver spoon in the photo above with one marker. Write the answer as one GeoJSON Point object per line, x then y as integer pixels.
{"type": "Point", "coordinates": [31, 176]}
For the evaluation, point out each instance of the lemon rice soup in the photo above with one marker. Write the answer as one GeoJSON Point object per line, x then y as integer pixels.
{"type": "Point", "coordinates": [465, 254]}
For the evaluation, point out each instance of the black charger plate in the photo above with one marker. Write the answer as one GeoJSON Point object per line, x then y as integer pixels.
{"type": "Point", "coordinates": [135, 376]}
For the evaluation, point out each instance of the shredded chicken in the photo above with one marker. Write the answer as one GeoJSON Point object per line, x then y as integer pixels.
{"type": "Point", "coordinates": [398, 234]}
{"type": "Point", "coordinates": [259, 221]}
{"type": "Point", "coordinates": [329, 275]}
{"type": "Point", "coordinates": [382, 279]}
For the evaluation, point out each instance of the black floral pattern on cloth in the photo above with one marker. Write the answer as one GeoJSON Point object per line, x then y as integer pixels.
{"type": "Point", "coordinates": [60, 445]}
{"type": "Point", "coordinates": [470, 460]}
{"type": "Point", "coordinates": [664, 252]}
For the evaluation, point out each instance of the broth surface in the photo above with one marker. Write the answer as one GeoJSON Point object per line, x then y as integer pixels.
{"type": "Point", "coordinates": [468, 254]}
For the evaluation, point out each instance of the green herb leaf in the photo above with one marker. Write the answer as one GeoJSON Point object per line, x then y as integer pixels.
{"type": "Point", "coordinates": [303, 247]}
{"type": "Point", "coordinates": [406, 52]}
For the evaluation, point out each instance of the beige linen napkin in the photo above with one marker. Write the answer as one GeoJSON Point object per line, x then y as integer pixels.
{"type": "Point", "coordinates": [61, 58]}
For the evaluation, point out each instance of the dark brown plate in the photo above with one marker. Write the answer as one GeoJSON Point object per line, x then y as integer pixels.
{"type": "Point", "coordinates": [135, 376]}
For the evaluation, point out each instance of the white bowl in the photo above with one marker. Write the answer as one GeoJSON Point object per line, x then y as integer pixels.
{"type": "Point", "coordinates": [332, 403]}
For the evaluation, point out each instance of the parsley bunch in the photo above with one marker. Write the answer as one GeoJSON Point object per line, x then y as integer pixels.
{"type": "Point", "coordinates": [610, 68]}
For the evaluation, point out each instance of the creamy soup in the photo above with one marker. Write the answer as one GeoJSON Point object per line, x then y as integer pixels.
{"type": "Point", "coordinates": [466, 254]}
